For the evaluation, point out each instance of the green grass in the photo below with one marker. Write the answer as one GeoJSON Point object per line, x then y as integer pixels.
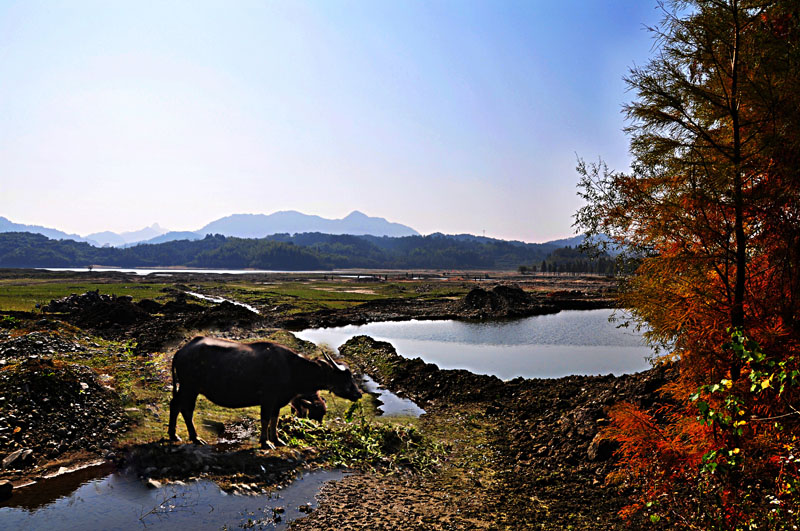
{"type": "Point", "coordinates": [315, 295]}
{"type": "Point", "coordinates": [23, 295]}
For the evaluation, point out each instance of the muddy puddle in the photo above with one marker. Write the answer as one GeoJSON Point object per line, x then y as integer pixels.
{"type": "Point", "coordinates": [389, 404]}
{"type": "Point", "coordinates": [98, 498]}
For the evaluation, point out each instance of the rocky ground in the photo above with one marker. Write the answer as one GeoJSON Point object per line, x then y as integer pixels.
{"type": "Point", "coordinates": [521, 454]}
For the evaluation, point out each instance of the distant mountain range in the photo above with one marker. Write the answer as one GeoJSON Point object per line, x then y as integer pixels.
{"type": "Point", "coordinates": [287, 222]}
{"type": "Point", "coordinates": [236, 225]}
{"type": "Point", "coordinates": [7, 225]}
{"type": "Point", "coordinates": [293, 222]}
{"type": "Point", "coordinates": [119, 240]}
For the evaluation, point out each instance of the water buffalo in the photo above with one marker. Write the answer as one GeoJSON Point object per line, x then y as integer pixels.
{"type": "Point", "coordinates": [265, 374]}
{"type": "Point", "coordinates": [310, 405]}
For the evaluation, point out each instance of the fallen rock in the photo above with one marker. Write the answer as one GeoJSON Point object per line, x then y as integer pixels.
{"type": "Point", "coordinates": [18, 458]}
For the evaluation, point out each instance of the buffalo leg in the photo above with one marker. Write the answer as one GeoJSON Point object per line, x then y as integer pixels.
{"type": "Point", "coordinates": [266, 427]}
{"type": "Point", "coordinates": [273, 428]}
{"type": "Point", "coordinates": [187, 410]}
{"type": "Point", "coordinates": [174, 409]}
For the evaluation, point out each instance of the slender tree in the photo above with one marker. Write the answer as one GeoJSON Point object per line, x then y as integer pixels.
{"type": "Point", "coordinates": [710, 219]}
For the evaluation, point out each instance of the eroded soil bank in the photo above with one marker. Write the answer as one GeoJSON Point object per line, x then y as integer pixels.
{"type": "Point", "coordinates": [488, 454]}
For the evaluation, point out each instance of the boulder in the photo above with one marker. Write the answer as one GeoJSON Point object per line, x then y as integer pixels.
{"type": "Point", "coordinates": [5, 489]}
{"type": "Point", "coordinates": [601, 448]}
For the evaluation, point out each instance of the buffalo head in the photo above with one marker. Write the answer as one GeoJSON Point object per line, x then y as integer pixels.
{"type": "Point", "coordinates": [340, 380]}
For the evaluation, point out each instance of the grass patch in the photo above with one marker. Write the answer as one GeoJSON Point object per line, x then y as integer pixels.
{"type": "Point", "coordinates": [24, 295]}
{"type": "Point", "coordinates": [355, 441]}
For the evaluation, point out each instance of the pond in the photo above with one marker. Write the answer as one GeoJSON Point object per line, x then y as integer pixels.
{"type": "Point", "coordinates": [95, 498]}
{"type": "Point", "coordinates": [543, 346]}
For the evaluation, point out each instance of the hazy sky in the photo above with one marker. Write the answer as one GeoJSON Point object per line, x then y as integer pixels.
{"type": "Point", "coordinates": [455, 117]}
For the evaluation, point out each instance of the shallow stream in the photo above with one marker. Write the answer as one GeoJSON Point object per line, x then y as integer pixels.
{"type": "Point", "coordinates": [97, 498]}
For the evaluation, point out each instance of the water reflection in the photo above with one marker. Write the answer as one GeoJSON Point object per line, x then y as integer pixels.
{"type": "Point", "coordinates": [94, 499]}
{"type": "Point", "coordinates": [544, 346]}
{"type": "Point", "coordinates": [391, 405]}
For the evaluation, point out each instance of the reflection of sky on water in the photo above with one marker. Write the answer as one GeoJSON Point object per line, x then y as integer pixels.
{"type": "Point", "coordinates": [119, 501]}
{"type": "Point", "coordinates": [546, 346]}
{"type": "Point", "coordinates": [391, 404]}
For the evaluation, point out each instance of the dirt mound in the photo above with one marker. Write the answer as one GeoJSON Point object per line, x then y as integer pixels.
{"type": "Point", "coordinates": [223, 315]}
{"type": "Point", "coordinates": [502, 301]}
{"type": "Point", "coordinates": [181, 306]}
{"type": "Point", "coordinates": [37, 344]}
{"type": "Point", "coordinates": [93, 310]}
{"type": "Point", "coordinates": [74, 302]}
{"type": "Point", "coordinates": [49, 408]}
{"type": "Point", "coordinates": [150, 306]}
{"type": "Point", "coordinates": [111, 314]}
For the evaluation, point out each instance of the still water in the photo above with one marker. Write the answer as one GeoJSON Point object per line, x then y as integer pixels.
{"type": "Point", "coordinates": [390, 405]}
{"type": "Point", "coordinates": [96, 499]}
{"type": "Point", "coordinates": [543, 346]}
{"type": "Point", "coordinates": [166, 272]}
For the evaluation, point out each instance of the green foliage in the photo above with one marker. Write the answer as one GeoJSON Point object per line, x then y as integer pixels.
{"type": "Point", "coordinates": [9, 322]}
{"type": "Point", "coordinates": [752, 472]}
{"type": "Point", "coordinates": [356, 442]}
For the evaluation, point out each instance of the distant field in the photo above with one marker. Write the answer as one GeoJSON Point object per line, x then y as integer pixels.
{"type": "Point", "coordinates": [24, 294]}
{"type": "Point", "coordinates": [318, 294]}
{"type": "Point", "coordinates": [23, 289]}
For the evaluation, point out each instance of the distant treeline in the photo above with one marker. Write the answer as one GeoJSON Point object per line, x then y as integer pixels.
{"type": "Point", "coordinates": [572, 260]}
{"type": "Point", "coordinates": [307, 251]}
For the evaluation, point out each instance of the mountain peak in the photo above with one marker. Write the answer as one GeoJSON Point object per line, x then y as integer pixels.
{"type": "Point", "coordinates": [293, 222]}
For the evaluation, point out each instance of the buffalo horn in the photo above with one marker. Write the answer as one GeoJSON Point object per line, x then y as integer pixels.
{"type": "Point", "coordinates": [330, 360]}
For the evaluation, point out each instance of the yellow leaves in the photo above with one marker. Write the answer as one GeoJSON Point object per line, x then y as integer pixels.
{"type": "Point", "coordinates": [739, 423]}
{"type": "Point", "coordinates": [767, 382]}
{"type": "Point", "coordinates": [736, 451]}
{"type": "Point", "coordinates": [17, 429]}
{"type": "Point", "coordinates": [727, 383]}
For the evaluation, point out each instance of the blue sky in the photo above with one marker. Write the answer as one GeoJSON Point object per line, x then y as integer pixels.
{"type": "Point", "coordinates": [457, 117]}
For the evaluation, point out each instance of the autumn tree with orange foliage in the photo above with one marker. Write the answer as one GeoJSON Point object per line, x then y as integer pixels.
{"type": "Point", "coordinates": [709, 219]}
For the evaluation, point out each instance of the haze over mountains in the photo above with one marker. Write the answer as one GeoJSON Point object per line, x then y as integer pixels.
{"type": "Point", "coordinates": [237, 225]}
{"type": "Point", "coordinates": [285, 241]}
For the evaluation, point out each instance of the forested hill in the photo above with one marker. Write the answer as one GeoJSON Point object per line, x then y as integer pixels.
{"type": "Point", "coordinates": [307, 251]}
